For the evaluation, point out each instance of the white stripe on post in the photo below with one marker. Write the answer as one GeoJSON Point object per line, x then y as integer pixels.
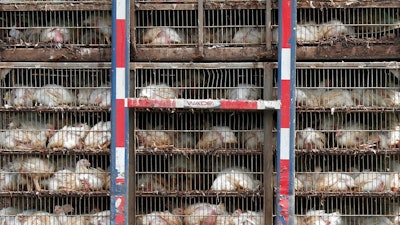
{"type": "Point", "coordinates": [285, 143]}
{"type": "Point", "coordinates": [285, 55]}
{"type": "Point", "coordinates": [120, 85]}
{"type": "Point", "coordinates": [121, 10]}
{"type": "Point", "coordinates": [120, 161]}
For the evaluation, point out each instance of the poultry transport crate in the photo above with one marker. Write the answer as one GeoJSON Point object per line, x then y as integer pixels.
{"type": "Point", "coordinates": [55, 30]}
{"type": "Point", "coordinates": [198, 157]}
{"type": "Point", "coordinates": [55, 143]}
{"type": "Point", "coordinates": [347, 139]}
{"type": "Point", "coordinates": [360, 30]}
{"type": "Point", "coordinates": [201, 30]}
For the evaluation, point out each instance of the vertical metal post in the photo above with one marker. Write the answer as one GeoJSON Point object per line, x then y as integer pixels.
{"type": "Point", "coordinates": [119, 114]}
{"type": "Point", "coordinates": [286, 115]}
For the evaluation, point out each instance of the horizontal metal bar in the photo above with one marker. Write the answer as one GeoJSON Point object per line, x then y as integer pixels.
{"type": "Point", "coordinates": [202, 104]}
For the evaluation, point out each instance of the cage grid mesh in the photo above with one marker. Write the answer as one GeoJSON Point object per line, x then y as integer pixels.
{"type": "Point", "coordinates": [54, 143]}
{"type": "Point", "coordinates": [347, 143]}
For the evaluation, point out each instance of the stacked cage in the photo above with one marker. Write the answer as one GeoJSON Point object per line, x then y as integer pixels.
{"type": "Point", "coordinates": [55, 131]}
{"type": "Point", "coordinates": [347, 113]}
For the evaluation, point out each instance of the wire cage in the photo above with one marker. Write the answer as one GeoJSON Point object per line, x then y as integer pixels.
{"type": "Point", "coordinates": [71, 35]}
{"type": "Point", "coordinates": [356, 31]}
{"type": "Point", "coordinates": [54, 149]}
{"type": "Point", "coordinates": [202, 165]}
{"type": "Point", "coordinates": [201, 31]}
{"type": "Point", "coordinates": [347, 143]}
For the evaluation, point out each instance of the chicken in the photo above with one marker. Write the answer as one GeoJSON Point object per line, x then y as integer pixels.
{"type": "Point", "coordinates": [100, 218]}
{"type": "Point", "coordinates": [203, 214]}
{"type": "Point", "coordinates": [99, 136]}
{"type": "Point", "coordinates": [253, 139]}
{"type": "Point", "coordinates": [389, 97]}
{"type": "Point", "coordinates": [23, 139]}
{"type": "Point", "coordinates": [64, 180]}
{"type": "Point", "coordinates": [217, 35]}
{"type": "Point", "coordinates": [151, 183]}
{"type": "Point", "coordinates": [244, 92]}
{"type": "Point", "coordinates": [247, 218]}
{"type": "Point", "coordinates": [53, 95]}
{"type": "Point", "coordinates": [306, 98]}
{"type": "Point", "coordinates": [158, 91]}
{"type": "Point", "coordinates": [8, 180]}
{"type": "Point", "coordinates": [159, 218]}
{"type": "Point", "coordinates": [335, 28]}
{"type": "Point", "coordinates": [334, 181]}
{"type": "Point", "coordinates": [235, 179]}
{"type": "Point", "coordinates": [351, 135]}
{"type": "Point", "coordinates": [394, 135]}
{"type": "Point", "coordinates": [19, 96]}
{"type": "Point", "coordinates": [35, 168]}
{"type": "Point", "coordinates": [217, 136]}
{"type": "Point", "coordinates": [90, 178]}
{"type": "Point", "coordinates": [101, 96]}
{"type": "Point", "coordinates": [83, 95]}
{"type": "Point", "coordinates": [371, 220]}
{"type": "Point", "coordinates": [367, 97]}
{"type": "Point", "coordinates": [249, 35]}
{"type": "Point", "coordinates": [34, 122]}
{"type": "Point", "coordinates": [162, 36]}
{"type": "Point", "coordinates": [306, 181]}
{"type": "Point", "coordinates": [377, 182]}
{"type": "Point", "coordinates": [308, 32]}
{"type": "Point", "coordinates": [310, 139]}
{"type": "Point", "coordinates": [69, 137]}
{"type": "Point", "coordinates": [154, 138]}
{"type": "Point", "coordinates": [320, 217]}
{"type": "Point", "coordinates": [337, 98]}
{"type": "Point", "coordinates": [102, 23]}
{"type": "Point", "coordinates": [57, 32]}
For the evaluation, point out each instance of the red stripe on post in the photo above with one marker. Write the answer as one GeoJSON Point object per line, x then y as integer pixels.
{"type": "Point", "coordinates": [285, 103]}
{"type": "Point", "coordinates": [284, 174]}
{"type": "Point", "coordinates": [286, 23]}
{"type": "Point", "coordinates": [120, 123]}
{"type": "Point", "coordinates": [151, 103]}
{"type": "Point", "coordinates": [120, 205]}
{"type": "Point", "coordinates": [120, 42]}
{"type": "Point", "coordinates": [120, 180]}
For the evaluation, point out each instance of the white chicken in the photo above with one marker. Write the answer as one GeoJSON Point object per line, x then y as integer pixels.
{"type": "Point", "coordinates": [53, 95]}
{"type": "Point", "coordinates": [100, 218]}
{"type": "Point", "coordinates": [244, 92]}
{"type": "Point", "coordinates": [35, 168]}
{"type": "Point", "coordinates": [8, 180]}
{"type": "Point", "coordinates": [334, 181]}
{"type": "Point", "coordinates": [305, 181]}
{"type": "Point", "coordinates": [367, 97]}
{"type": "Point", "coordinates": [337, 98]}
{"type": "Point", "coordinates": [203, 214]}
{"type": "Point", "coordinates": [310, 138]}
{"type": "Point", "coordinates": [63, 180]}
{"type": "Point", "coordinates": [159, 218]}
{"type": "Point", "coordinates": [351, 135]}
{"type": "Point", "coordinates": [217, 136]}
{"type": "Point", "coordinates": [57, 32]}
{"type": "Point", "coordinates": [19, 96]}
{"type": "Point", "coordinates": [235, 179]}
{"type": "Point", "coordinates": [249, 35]}
{"type": "Point", "coordinates": [247, 218]}
{"type": "Point", "coordinates": [154, 138]}
{"type": "Point", "coordinates": [162, 36]}
{"type": "Point", "coordinates": [23, 139]}
{"type": "Point", "coordinates": [389, 97]}
{"type": "Point", "coordinates": [101, 96]}
{"type": "Point", "coordinates": [371, 220]}
{"type": "Point", "coordinates": [69, 137]}
{"type": "Point", "coordinates": [83, 95]}
{"type": "Point", "coordinates": [306, 98]}
{"type": "Point", "coordinates": [377, 182]}
{"type": "Point", "coordinates": [335, 28]}
{"type": "Point", "coordinates": [158, 91]}
{"type": "Point", "coordinates": [102, 23]}
{"type": "Point", "coordinates": [253, 139]}
{"type": "Point", "coordinates": [151, 183]}
{"type": "Point", "coordinates": [308, 32]}
{"type": "Point", "coordinates": [90, 178]}
{"type": "Point", "coordinates": [320, 217]}
{"type": "Point", "coordinates": [99, 136]}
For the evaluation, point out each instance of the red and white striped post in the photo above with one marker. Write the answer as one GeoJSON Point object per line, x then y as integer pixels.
{"type": "Point", "coordinates": [286, 116]}
{"type": "Point", "coordinates": [119, 114]}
